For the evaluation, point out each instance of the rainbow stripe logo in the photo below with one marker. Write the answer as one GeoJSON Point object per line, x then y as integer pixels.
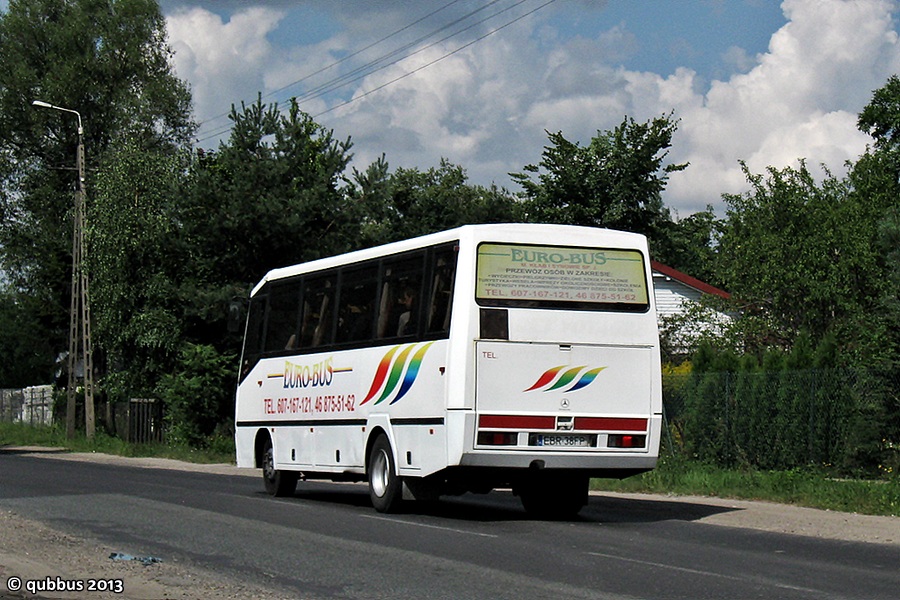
{"type": "Point", "coordinates": [396, 372]}
{"type": "Point", "coordinates": [565, 378]}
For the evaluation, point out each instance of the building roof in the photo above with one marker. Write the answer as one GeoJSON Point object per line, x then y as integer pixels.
{"type": "Point", "coordinates": [688, 280]}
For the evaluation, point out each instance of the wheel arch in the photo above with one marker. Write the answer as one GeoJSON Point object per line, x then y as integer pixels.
{"type": "Point", "coordinates": [378, 426]}
{"type": "Point", "coordinates": [259, 446]}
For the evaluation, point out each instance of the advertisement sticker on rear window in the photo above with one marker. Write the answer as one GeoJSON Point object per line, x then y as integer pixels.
{"type": "Point", "coordinates": [561, 277]}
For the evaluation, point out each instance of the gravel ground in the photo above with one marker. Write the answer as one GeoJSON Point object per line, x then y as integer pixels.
{"type": "Point", "coordinates": [33, 551]}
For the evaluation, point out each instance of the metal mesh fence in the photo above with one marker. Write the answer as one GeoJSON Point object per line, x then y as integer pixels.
{"type": "Point", "coordinates": [834, 418]}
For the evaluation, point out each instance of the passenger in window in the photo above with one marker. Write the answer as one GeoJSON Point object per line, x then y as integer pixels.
{"type": "Point", "coordinates": [406, 300]}
{"type": "Point", "coordinates": [359, 322]}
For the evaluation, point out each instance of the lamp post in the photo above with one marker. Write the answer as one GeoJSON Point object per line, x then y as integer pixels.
{"type": "Point", "coordinates": [80, 314]}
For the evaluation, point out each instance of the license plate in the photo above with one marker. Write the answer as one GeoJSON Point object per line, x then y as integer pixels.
{"type": "Point", "coordinates": [563, 441]}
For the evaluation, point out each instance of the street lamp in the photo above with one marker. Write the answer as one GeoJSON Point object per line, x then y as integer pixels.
{"type": "Point", "coordinates": [80, 315]}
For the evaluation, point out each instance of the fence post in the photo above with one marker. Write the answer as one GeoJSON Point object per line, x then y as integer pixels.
{"type": "Point", "coordinates": [729, 438]}
{"type": "Point", "coordinates": [810, 434]}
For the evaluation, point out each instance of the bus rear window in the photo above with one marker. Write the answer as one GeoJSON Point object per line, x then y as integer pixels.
{"type": "Point", "coordinates": [526, 276]}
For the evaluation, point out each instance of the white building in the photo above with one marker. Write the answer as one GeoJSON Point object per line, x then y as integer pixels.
{"type": "Point", "coordinates": [675, 292]}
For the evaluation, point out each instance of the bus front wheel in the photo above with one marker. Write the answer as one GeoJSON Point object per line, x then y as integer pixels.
{"type": "Point", "coordinates": [385, 487]}
{"type": "Point", "coordinates": [278, 483]}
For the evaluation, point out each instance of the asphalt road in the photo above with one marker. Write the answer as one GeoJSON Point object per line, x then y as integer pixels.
{"type": "Point", "coordinates": [328, 542]}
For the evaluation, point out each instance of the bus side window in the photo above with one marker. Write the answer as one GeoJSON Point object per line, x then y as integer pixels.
{"type": "Point", "coordinates": [441, 291]}
{"type": "Point", "coordinates": [281, 323]}
{"type": "Point", "coordinates": [401, 291]}
{"type": "Point", "coordinates": [357, 304]}
{"type": "Point", "coordinates": [385, 307]}
{"type": "Point", "coordinates": [253, 340]}
{"type": "Point", "coordinates": [316, 327]}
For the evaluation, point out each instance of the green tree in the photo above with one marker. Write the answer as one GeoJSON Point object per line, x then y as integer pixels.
{"type": "Point", "coordinates": [410, 202]}
{"type": "Point", "coordinates": [176, 238]}
{"type": "Point", "coordinates": [689, 245]}
{"type": "Point", "coordinates": [814, 265]}
{"type": "Point", "coordinates": [871, 334]}
{"type": "Point", "coordinates": [197, 393]}
{"type": "Point", "coordinates": [137, 314]}
{"type": "Point", "coordinates": [881, 117]}
{"type": "Point", "coordinates": [875, 178]}
{"type": "Point", "coordinates": [889, 246]}
{"type": "Point", "coordinates": [821, 257]}
{"type": "Point", "coordinates": [107, 59]}
{"type": "Point", "coordinates": [26, 356]}
{"type": "Point", "coordinates": [616, 181]}
{"type": "Point", "coordinates": [271, 196]}
{"type": "Point", "coordinates": [801, 254]}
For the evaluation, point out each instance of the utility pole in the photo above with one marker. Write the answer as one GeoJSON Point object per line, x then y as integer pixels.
{"type": "Point", "coordinates": [80, 311]}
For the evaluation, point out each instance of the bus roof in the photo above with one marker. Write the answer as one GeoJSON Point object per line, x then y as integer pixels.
{"type": "Point", "coordinates": [521, 232]}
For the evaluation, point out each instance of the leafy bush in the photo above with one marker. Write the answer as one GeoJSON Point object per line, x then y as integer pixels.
{"type": "Point", "coordinates": [198, 395]}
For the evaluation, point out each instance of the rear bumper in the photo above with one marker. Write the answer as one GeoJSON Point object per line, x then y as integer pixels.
{"type": "Point", "coordinates": [594, 463]}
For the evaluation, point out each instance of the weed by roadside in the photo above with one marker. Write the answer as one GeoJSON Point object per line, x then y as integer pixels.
{"type": "Point", "coordinates": [802, 487]}
{"type": "Point", "coordinates": [219, 449]}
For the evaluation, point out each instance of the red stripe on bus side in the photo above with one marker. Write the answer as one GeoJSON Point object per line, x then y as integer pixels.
{"type": "Point", "coordinates": [516, 422]}
{"type": "Point", "coordinates": [610, 424]}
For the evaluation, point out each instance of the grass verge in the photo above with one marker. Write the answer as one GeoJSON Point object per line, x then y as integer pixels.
{"type": "Point", "coordinates": [801, 487]}
{"type": "Point", "coordinates": [218, 450]}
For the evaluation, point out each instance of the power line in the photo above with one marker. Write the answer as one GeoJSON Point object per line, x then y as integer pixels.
{"type": "Point", "coordinates": [346, 58]}
{"type": "Point", "coordinates": [322, 90]}
{"type": "Point", "coordinates": [351, 77]}
{"type": "Point", "coordinates": [426, 65]}
{"type": "Point", "coordinates": [378, 64]}
{"type": "Point", "coordinates": [371, 66]}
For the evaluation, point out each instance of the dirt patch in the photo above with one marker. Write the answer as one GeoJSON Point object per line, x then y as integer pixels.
{"type": "Point", "coordinates": [32, 551]}
{"type": "Point", "coordinates": [50, 560]}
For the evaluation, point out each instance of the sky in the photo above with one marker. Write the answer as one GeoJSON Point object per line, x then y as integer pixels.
{"type": "Point", "coordinates": [481, 82]}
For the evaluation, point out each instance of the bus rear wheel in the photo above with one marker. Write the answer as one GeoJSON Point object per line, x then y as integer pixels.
{"type": "Point", "coordinates": [385, 486]}
{"type": "Point", "coordinates": [277, 483]}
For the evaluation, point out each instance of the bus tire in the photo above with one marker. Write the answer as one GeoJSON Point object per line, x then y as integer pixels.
{"type": "Point", "coordinates": [278, 483]}
{"type": "Point", "coordinates": [557, 496]}
{"type": "Point", "coordinates": [385, 487]}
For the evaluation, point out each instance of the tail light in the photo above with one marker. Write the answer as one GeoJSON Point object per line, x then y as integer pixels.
{"type": "Point", "coordinates": [626, 441]}
{"type": "Point", "coordinates": [497, 438]}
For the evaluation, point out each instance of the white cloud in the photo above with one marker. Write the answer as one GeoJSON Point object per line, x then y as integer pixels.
{"type": "Point", "coordinates": [827, 138]}
{"type": "Point", "coordinates": [433, 113]}
{"type": "Point", "coordinates": [467, 107]}
{"type": "Point", "coordinates": [738, 59]}
{"type": "Point", "coordinates": [800, 101]}
{"type": "Point", "coordinates": [222, 60]}
{"type": "Point", "coordinates": [487, 107]}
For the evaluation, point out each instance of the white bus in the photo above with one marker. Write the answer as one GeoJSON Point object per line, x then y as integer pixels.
{"type": "Point", "coordinates": [488, 356]}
